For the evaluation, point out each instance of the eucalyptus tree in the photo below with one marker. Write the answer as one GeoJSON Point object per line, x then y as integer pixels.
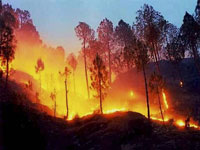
{"type": "Point", "coordinates": [105, 36]}
{"type": "Point", "coordinates": [85, 34]}
{"type": "Point", "coordinates": [100, 79]}
{"type": "Point", "coordinates": [190, 35]}
{"type": "Point", "coordinates": [150, 25]}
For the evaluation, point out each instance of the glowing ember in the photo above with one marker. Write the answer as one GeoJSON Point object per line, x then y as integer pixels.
{"type": "Point", "coordinates": [114, 110]}
{"type": "Point", "coordinates": [180, 123]}
{"type": "Point", "coordinates": [159, 119]}
{"type": "Point", "coordinates": [181, 84]}
{"type": "Point", "coordinates": [194, 126]}
{"type": "Point", "coordinates": [165, 100]}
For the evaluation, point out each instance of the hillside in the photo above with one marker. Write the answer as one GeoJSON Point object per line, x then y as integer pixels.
{"type": "Point", "coordinates": [184, 101]}
{"type": "Point", "coordinates": [24, 127]}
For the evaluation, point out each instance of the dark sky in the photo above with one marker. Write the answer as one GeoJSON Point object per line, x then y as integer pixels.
{"type": "Point", "coordinates": [55, 19]}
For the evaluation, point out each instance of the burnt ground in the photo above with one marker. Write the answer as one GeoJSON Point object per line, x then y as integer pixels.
{"type": "Point", "coordinates": [22, 126]}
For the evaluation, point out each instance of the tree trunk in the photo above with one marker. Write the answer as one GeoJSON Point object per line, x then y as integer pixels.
{"type": "Point", "coordinates": [161, 112]}
{"type": "Point", "coordinates": [147, 94]}
{"type": "Point", "coordinates": [156, 58]}
{"type": "Point", "coordinates": [109, 57]}
{"type": "Point", "coordinates": [100, 96]}
{"type": "Point", "coordinates": [67, 107]}
{"type": "Point", "coordinates": [86, 74]}
{"type": "Point", "coordinates": [7, 72]}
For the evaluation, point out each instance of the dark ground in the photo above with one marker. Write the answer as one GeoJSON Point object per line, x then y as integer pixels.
{"type": "Point", "coordinates": [24, 127]}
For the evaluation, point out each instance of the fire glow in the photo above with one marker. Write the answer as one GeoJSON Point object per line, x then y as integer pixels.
{"type": "Point", "coordinates": [79, 104]}
{"type": "Point", "coordinates": [165, 100]}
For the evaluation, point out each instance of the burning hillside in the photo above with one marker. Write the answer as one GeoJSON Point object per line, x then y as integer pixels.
{"type": "Point", "coordinates": [126, 82]}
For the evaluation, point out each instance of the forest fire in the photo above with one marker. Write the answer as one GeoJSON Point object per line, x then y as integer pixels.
{"type": "Point", "coordinates": [165, 100]}
{"type": "Point", "coordinates": [85, 86]}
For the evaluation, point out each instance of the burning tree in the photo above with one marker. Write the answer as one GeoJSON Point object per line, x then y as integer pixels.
{"type": "Point", "coordinates": [39, 68]}
{"type": "Point", "coordinates": [156, 84]}
{"type": "Point", "coordinates": [124, 37]}
{"type": "Point", "coordinates": [85, 33]}
{"type": "Point", "coordinates": [72, 61]}
{"type": "Point", "coordinates": [66, 73]}
{"type": "Point", "coordinates": [7, 48]}
{"type": "Point", "coordinates": [141, 59]}
{"type": "Point", "coordinates": [100, 80]}
{"type": "Point", "coordinates": [105, 35]}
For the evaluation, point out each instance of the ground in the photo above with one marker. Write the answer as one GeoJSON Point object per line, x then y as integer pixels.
{"type": "Point", "coordinates": [24, 127]}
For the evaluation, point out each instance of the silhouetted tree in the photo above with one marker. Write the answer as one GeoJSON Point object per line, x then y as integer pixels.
{"type": "Point", "coordinates": [150, 26]}
{"type": "Point", "coordinates": [156, 85]}
{"type": "Point", "coordinates": [66, 74]}
{"type": "Point", "coordinates": [190, 34]}
{"type": "Point", "coordinates": [9, 16]}
{"type": "Point", "coordinates": [141, 59]}
{"type": "Point", "coordinates": [124, 37]}
{"type": "Point", "coordinates": [105, 36]}
{"type": "Point", "coordinates": [175, 51]}
{"type": "Point", "coordinates": [85, 33]}
{"type": "Point", "coordinates": [7, 48]}
{"type": "Point", "coordinates": [24, 17]}
{"type": "Point", "coordinates": [73, 63]}
{"type": "Point", "coordinates": [38, 69]}
{"type": "Point", "coordinates": [100, 80]}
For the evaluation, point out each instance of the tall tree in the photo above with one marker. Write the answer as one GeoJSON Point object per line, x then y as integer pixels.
{"type": "Point", "coordinates": [73, 63]}
{"type": "Point", "coordinates": [7, 48]}
{"type": "Point", "coordinates": [105, 35]}
{"type": "Point", "coordinates": [175, 51]}
{"type": "Point", "coordinates": [66, 74]}
{"type": "Point", "coordinates": [124, 38]}
{"type": "Point", "coordinates": [150, 26]}
{"type": "Point", "coordinates": [99, 78]}
{"type": "Point", "coordinates": [190, 35]}
{"type": "Point", "coordinates": [156, 84]}
{"type": "Point", "coordinates": [7, 37]}
{"type": "Point", "coordinates": [86, 34]}
{"type": "Point", "coordinates": [141, 59]}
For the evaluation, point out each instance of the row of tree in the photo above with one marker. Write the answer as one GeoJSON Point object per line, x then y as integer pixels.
{"type": "Point", "coordinates": [151, 38]}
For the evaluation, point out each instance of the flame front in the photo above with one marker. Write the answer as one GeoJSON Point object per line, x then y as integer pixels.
{"type": "Point", "coordinates": [165, 100]}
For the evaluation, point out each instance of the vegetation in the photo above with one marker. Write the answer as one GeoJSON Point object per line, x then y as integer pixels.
{"type": "Point", "coordinates": [99, 78]}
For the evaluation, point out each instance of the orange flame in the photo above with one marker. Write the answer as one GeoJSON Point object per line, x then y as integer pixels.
{"type": "Point", "coordinates": [165, 100]}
